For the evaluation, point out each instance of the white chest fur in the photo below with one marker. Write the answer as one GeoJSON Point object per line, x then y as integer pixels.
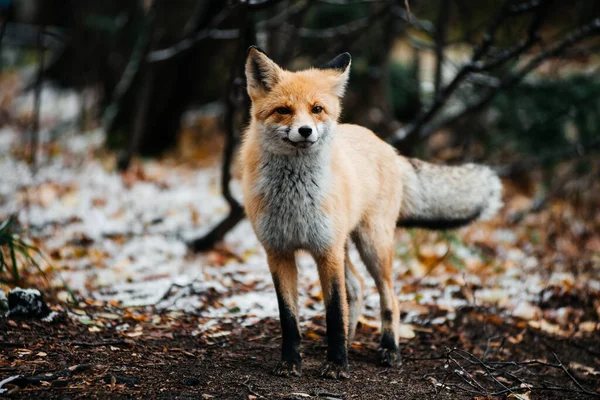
{"type": "Point", "coordinates": [293, 189]}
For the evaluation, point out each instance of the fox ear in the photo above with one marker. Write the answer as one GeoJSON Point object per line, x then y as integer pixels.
{"type": "Point", "coordinates": [340, 65]}
{"type": "Point", "coordinates": [262, 74]}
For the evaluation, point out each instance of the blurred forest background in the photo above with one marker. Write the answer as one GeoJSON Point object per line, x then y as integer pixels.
{"type": "Point", "coordinates": [515, 83]}
{"type": "Point", "coordinates": [120, 120]}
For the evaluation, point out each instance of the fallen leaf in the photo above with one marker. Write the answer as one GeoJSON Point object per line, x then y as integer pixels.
{"type": "Point", "coordinates": [406, 331]}
{"type": "Point", "coordinates": [581, 367]}
{"type": "Point", "coordinates": [588, 326]}
{"type": "Point", "coordinates": [526, 310]}
{"type": "Point", "coordinates": [107, 315]}
{"type": "Point", "coordinates": [523, 396]}
{"type": "Point", "coordinates": [313, 335]}
{"type": "Point", "coordinates": [219, 334]}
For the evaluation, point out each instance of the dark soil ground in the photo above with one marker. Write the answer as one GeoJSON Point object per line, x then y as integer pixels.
{"type": "Point", "coordinates": [64, 360]}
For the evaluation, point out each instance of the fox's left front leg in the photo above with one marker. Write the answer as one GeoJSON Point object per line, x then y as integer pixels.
{"type": "Point", "coordinates": [285, 278]}
{"type": "Point", "coordinates": [331, 274]}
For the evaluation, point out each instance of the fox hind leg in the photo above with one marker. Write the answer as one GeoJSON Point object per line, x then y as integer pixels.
{"type": "Point", "coordinates": [375, 243]}
{"type": "Point", "coordinates": [355, 296]}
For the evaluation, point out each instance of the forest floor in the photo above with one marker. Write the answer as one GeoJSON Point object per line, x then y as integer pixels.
{"type": "Point", "coordinates": [63, 359]}
{"type": "Point", "coordinates": [504, 308]}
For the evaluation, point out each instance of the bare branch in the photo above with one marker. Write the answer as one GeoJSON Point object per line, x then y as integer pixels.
{"type": "Point", "coordinates": [35, 126]}
{"type": "Point", "coordinates": [588, 30]}
{"type": "Point", "coordinates": [524, 7]}
{"type": "Point", "coordinates": [282, 17]}
{"type": "Point", "coordinates": [132, 69]}
{"type": "Point", "coordinates": [440, 42]}
{"type": "Point", "coordinates": [2, 32]}
{"type": "Point", "coordinates": [233, 102]}
{"type": "Point", "coordinates": [420, 24]}
{"type": "Point", "coordinates": [419, 128]}
{"type": "Point", "coordinates": [294, 33]}
{"type": "Point", "coordinates": [584, 390]}
{"type": "Point", "coordinates": [260, 4]}
{"type": "Point", "coordinates": [442, 97]}
{"type": "Point", "coordinates": [496, 379]}
{"type": "Point", "coordinates": [144, 97]}
{"type": "Point", "coordinates": [211, 32]}
{"type": "Point", "coordinates": [340, 30]}
{"type": "Point", "coordinates": [407, 6]}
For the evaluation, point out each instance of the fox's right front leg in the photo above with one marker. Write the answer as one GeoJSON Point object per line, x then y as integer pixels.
{"type": "Point", "coordinates": [285, 278]}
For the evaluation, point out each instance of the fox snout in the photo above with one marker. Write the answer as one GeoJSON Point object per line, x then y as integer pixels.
{"type": "Point", "coordinates": [304, 135]}
{"type": "Point", "coordinates": [305, 131]}
{"type": "Point", "coordinates": [288, 139]}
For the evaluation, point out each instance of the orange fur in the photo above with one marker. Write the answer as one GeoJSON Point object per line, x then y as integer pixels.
{"type": "Point", "coordinates": [359, 198]}
{"type": "Point", "coordinates": [310, 183]}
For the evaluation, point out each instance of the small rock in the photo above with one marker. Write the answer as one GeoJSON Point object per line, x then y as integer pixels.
{"type": "Point", "coordinates": [26, 303]}
{"type": "Point", "coordinates": [3, 301]}
{"type": "Point", "coordinates": [120, 380]}
{"type": "Point", "coordinates": [191, 381]}
{"type": "Point", "coordinates": [60, 383]}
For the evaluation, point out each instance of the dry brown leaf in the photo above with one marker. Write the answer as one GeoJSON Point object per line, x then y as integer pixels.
{"type": "Point", "coordinates": [522, 396]}
{"type": "Point", "coordinates": [406, 331]}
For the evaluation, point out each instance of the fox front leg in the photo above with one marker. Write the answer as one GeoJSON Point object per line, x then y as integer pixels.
{"type": "Point", "coordinates": [285, 278]}
{"type": "Point", "coordinates": [331, 274]}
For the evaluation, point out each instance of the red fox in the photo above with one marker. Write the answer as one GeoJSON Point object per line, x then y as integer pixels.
{"type": "Point", "coordinates": [312, 184]}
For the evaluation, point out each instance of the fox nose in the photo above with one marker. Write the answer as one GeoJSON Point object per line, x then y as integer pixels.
{"type": "Point", "coordinates": [305, 131]}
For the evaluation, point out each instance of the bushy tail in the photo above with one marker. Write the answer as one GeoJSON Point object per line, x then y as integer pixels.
{"type": "Point", "coordinates": [443, 197]}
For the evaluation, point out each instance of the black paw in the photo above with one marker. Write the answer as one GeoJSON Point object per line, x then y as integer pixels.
{"type": "Point", "coordinates": [288, 368]}
{"type": "Point", "coordinates": [390, 357]}
{"type": "Point", "coordinates": [334, 371]}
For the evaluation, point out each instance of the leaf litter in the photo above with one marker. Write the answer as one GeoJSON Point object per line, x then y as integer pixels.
{"type": "Point", "coordinates": [119, 241]}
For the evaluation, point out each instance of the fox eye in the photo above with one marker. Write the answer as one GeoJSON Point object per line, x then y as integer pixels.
{"type": "Point", "coordinates": [317, 109]}
{"type": "Point", "coordinates": [283, 110]}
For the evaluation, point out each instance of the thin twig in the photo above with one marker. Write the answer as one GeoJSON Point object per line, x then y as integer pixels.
{"type": "Point", "coordinates": [100, 344]}
{"type": "Point", "coordinates": [131, 71]}
{"type": "Point", "coordinates": [2, 32]}
{"type": "Point", "coordinates": [37, 102]}
{"type": "Point", "coordinates": [495, 369]}
{"type": "Point", "coordinates": [440, 42]}
{"type": "Point", "coordinates": [572, 378]}
{"type": "Point", "coordinates": [407, 6]}
{"type": "Point", "coordinates": [250, 391]}
{"type": "Point", "coordinates": [210, 32]}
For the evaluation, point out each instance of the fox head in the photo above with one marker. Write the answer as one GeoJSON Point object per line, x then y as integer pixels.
{"type": "Point", "coordinates": [295, 112]}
